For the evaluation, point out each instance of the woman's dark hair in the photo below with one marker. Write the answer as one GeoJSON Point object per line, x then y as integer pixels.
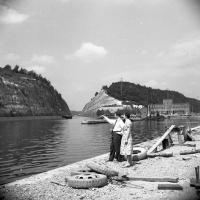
{"type": "Point", "coordinates": [118, 114]}
{"type": "Point", "coordinates": [127, 115]}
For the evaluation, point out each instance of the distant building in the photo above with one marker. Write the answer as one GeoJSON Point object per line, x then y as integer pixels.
{"type": "Point", "coordinates": [169, 108]}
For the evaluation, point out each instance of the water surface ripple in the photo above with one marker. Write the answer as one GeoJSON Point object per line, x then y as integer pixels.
{"type": "Point", "coordinates": [33, 146]}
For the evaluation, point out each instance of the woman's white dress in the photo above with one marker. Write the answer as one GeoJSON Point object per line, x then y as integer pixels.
{"type": "Point", "coordinates": [127, 149]}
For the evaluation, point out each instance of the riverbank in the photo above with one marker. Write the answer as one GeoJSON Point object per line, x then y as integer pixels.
{"type": "Point", "coordinates": [51, 184]}
{"type": "Point", "coordinates": [31, 118]}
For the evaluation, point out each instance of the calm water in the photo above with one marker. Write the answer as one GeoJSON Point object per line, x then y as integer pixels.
{"type": "Point", "coordinates": [33, 146]}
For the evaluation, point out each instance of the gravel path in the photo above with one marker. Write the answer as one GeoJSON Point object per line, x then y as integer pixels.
{"type": "Point", "coordinates": [52, 185]}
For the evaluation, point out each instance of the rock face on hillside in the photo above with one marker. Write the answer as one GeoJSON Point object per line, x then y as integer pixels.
{"type": "Point", "coordinates": [24, 93]}
{"type": "Point", "coordinates": [104, 102]}
{"type": "Point", "coordinates": [100, 100]}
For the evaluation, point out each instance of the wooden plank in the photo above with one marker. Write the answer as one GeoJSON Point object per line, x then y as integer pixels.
{"type": "Point", "coordinates": [187, 145]}
{"type": "Point", "coordinates": [193, 151]}
{"type": "Point", "coordinates": [134, 186]}
{"type": "Point", "coordinates": [161, 154]}
{"type": "Point", "coordinates": [194, 128]}
{"type": "Point", "coordinates": [162, 179]}
{"type": "Point", "coordinates": [170, 187]}
{"type": "Point", "coordinates": [160, 140]}
{"type": "Point", "coordinates": [186, 158]}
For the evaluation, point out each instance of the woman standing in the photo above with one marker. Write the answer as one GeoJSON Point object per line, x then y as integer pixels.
{"type": "Point", "coordinates": [127, 141]}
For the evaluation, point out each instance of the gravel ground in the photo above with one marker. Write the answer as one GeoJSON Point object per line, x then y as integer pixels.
{"type": "Point", "coordinates": [52, 185]}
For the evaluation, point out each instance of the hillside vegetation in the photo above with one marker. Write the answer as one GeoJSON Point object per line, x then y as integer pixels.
{"type": "Point", "coordinates": [25, 93]}
{"type": "Point", "coordinates": [126, 91]}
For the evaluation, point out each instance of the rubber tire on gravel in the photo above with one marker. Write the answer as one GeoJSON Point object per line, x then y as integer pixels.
{"type": "Point", "coordinates": [102, 169]}
{"type": "Point", "coordinates": [80, 171]}
{"type": "Point", "coordinates": [139, 153]}
{"type": "Point", "coordinates": [87, 180]}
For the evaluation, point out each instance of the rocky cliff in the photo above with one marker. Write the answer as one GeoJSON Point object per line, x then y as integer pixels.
{"type": "Point", "coordinates": [106, 104]}
{"type": "Point", "coordinates": [24, 93]}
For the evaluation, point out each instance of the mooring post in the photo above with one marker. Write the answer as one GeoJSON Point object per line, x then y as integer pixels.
{"type": "Point", "coordinates": [180, 133]}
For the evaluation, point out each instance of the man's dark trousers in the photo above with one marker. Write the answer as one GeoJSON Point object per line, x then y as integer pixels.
{"type": "Point", "coordinates": [115, 147]}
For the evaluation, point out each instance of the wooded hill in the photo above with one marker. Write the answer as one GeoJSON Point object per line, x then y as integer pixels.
{"type": "Point", "coordinates": [143, 95]}
{"type": "Point", "coordinates": [26, 93]}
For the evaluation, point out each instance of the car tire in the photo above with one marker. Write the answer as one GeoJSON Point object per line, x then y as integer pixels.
{"type": "Point", "coordinates": [87, 180]}
{"type": "Point", "coordinates": [80, 171]}
{"type": "Point", "coordinates": [139, 153]}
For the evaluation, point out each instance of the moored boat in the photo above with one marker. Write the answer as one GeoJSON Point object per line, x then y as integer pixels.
{"type": "Point", "coordinates": [67, 116]}
{"type": "Point", "coordinates": [94, 122]}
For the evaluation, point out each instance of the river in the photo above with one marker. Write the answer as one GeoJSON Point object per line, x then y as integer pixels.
{"type": "Point", "coordinates": [29, 147]}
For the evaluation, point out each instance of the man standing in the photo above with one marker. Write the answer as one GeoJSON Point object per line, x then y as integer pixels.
{"type": "Point", "coordinates": [117, 133]}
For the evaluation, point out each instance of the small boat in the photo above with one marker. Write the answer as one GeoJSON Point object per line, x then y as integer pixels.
{"type": "Point", "coordinates": [67, 116]}
{"type": "Point", "coordinates": [94, 122]}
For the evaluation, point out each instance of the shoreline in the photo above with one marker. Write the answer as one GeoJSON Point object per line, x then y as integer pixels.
{"type": "Point", "coordinates": [42, 186]}
{"type": "Point", "coordinates": [20, 118]}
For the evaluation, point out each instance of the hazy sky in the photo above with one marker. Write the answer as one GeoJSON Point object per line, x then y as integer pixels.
{"type": "Point", "coordinates": [81, 45]}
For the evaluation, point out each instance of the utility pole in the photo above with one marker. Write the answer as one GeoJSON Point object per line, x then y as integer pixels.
{"type": "Point", "coordinates": [121, 80]}
{"type": "Point", "coordinates": [167, 94]}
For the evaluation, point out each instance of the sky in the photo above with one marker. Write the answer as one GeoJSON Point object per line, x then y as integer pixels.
{"type": "Point", "coordinates": [82, 45]}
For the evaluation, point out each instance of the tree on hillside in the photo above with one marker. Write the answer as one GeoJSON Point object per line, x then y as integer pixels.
{"type": "Point", "coordinates": [99, 112]}
{"type": "Point", "coordinates": [8, 67]}
{"type": "Point", "coordinates": [121, 112]}
{"type": "Point", "coordinates": [143, 95]}
{"type": "Point", "coordinates": [107, 113]}
{"type": "Point", "coordinates": [105, 87]}
{"type": "Point", "coordinates": [23, 71]}
{"type": "Point", "coordinates": [16, 69]}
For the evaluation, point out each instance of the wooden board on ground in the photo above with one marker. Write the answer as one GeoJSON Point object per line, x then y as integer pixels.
{"type": "Point", "coordinates": [188, 145]}
{"type": "Point", "coordinates": [170, 187]}
{"type": "Point", "coordinates": [162, 179]}
{"type": "Point", "coordinates": [160, 140]}
{"type": "Point", "coordinates": [161, 154]}
{"type": "Point", "coordinates": [192, 151]}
